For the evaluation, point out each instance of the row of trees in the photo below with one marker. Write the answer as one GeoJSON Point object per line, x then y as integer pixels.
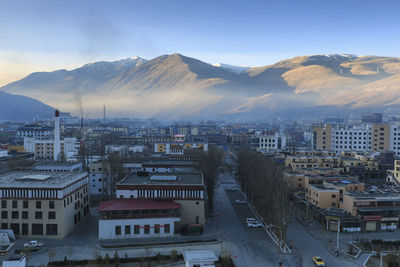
{"type": "Point", "coordinates": [210, 162]}
{"type": "Point", "coordinates": [263, 183]}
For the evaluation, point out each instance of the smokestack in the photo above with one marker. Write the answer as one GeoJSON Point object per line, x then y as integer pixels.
{"type": "Point", "coordinates": [57, 145]}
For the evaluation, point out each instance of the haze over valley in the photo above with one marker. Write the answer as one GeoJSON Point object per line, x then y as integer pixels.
{"type": "Point", "coordinates": [178, 87]}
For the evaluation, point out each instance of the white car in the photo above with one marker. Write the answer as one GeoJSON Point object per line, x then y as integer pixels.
{"type": "Point", "coordinates": [33, 244]}
{"type": "Point", "coordinates": [250, 220]}
{"type": "Point", "coordinates": [240, 201]}
{"type": "Point", "coordinates": [255, 224]}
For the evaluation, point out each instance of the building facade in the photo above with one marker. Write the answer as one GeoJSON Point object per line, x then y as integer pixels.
{"type": "Point", "coordinates": [37, 204]}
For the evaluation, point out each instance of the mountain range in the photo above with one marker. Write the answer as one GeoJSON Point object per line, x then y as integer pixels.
{"type": "Point", "coordinates": [175, 87]}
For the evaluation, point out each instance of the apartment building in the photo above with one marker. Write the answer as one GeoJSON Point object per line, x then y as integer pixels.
{"type": "Point", "coordinates": [314, 162]}
{"type": "Point", "coordinates": [322, 137]}
{"type": "Point", "coordinates": [36, 204]}
{"type": "Point", "coordinates": [322, 196]}
{"type": "Point", "coordinates": [365, 137]}
{"type": "Point", "coordinates": [269, 141]}
{"type": "Point", "coordinates": [34, 131]}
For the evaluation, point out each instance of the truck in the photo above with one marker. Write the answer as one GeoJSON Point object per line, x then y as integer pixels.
{"type": "Point", "coordinates": [33, 244]}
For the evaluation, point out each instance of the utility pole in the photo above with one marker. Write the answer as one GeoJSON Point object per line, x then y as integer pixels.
{"type": "Point", "coordinates": [104, 113]}
{"type": "Point", "coordinates": [337, 239]}
{"type": "Point", "coordinates": [307, 214]}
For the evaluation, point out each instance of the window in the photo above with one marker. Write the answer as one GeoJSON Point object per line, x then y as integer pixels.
{"type": "Point", "coordinates": [4, 226]}
{"type": "Point", "coordinates": [51, 229]}
{"type": "Point", "coordinates": [38, 215]}
{"type": "Point", "coordinates": [52, 215]}
{"type": "Point", "coordinates": [166, 228]}
{"type": "Point", "coordinates": [118, 230]}
{"type": "Point", "coordinates": [15, 204]}
{"type": "Point", "coordinates": [25, 229]}
{"type": "Point", "coordinates": [4, 204]}
{"type": "Point", "coordinates": [24, 215]}
{"type": "Point", "coordinates": [333, 196]}
{"type": "Point", "coordinates": [25, 204]}
{"type": "Point", "coordinates": [51, 204]}
{"type": "Point", "coordinates": [4, 214]}
{"type": "Point", "coordinates": [15, 228]}
{"type": "Point", "coordinates": [38, 204]}
{"type": "Point", "coordinates": [147, 229]}
{"type": "Point", "coordinates": [15, 215]}
{"type": "Point", "coordinates": [127, 229]}
{"type": "Point", "coordinates": [156, 228]}
{"type": "Point", "coordinates": [136, 229]}
{"type": "Point", "coordinates": [37, 229]}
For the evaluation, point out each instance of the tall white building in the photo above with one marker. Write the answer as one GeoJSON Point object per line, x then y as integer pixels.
{"type": "Point", "coordinates": [357, 138]}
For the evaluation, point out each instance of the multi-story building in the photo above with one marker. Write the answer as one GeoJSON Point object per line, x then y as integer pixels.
{"type": "Point", "coordinates": [365, 137]}
{"type": "Point", "coordinates": [322, 196]}
{"type": "Point", "coordinates": [55, 149]}
{"type": "Point", "coordinates": [50, 204]}
{"type": "Point", "coordinates": [176, 199]}
{"type": "Point", "coordinates": [58, 167]}
{"type": "Point", "coordinates": [378, 210]}
{"type": "Point", "coordinates": [179, 147]}
{"type": "Point", "coordinates": [271, 141]}
{"type": "Point", "coordinates": [34, 131]}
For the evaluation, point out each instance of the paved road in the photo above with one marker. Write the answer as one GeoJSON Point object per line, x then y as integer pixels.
{"type": "Point", "coordinates": [309, 246]}
{"type": "Point", "coordinates": [247, 246]}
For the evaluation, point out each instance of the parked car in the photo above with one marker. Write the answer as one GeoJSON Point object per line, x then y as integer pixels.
{"type": "Point", "coordinates": [232, 188]}
{"type": "Point", "coordinates": [249, 220]}
{"type": "Point", "coordinates": [255, 224]}
{"type": "Point", "coordinates": [318, 261]}
{"type": "Point", "coordinates": [240, 201]}
{"type": "Point", "coordinates": [33, 244]}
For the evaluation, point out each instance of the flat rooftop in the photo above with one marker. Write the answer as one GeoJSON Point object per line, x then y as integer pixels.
{"type": "Point", "coordinates": [137, 204]}
{"type": "Point", "coordinates": [163, 179]}
{"type": "Point", "coordinates": [320, 187]}
{"type": "Point", "coordinates": [56, 180]}
{"type": "Point", "coordinates": [378, 195]}
{"type": "Point", "coordinates": [199, 255]}
{"type": "Point", "coordinates": [55, 163]}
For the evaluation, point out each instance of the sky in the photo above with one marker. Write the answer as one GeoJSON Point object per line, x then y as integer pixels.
{"type": "Point", "coordinates": [48, 35]}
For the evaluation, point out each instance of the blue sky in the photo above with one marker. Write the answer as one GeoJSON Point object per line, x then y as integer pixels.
{"type": "Point", "coordinates": [45, 35]}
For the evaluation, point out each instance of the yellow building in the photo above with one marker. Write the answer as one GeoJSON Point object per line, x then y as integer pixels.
{"type": "Point", "coordinates": [322, 137]}
{"type": "Point", "coordinates": [322, 196]}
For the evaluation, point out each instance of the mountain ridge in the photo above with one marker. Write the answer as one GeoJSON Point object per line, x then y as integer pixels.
{"type": "Point", "coordinates": [178, 86]}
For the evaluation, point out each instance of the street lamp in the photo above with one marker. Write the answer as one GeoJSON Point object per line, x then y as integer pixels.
{"type": "Point", "coordinates": [337, 239]}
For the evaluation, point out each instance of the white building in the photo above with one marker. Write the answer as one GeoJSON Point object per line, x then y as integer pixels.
{"type": "Point", "coordinates": [3, 153]}
{"type": "Point", "coordinates": [357, 138]}
{"type": "Point", "coordinates": [199, 258]}
{"type": "Point", "coordinates": [133, 218]}
{"type": "Point", "coordinates": [54, 149]}
{"type": "Point", "coordinates": [271, 142]}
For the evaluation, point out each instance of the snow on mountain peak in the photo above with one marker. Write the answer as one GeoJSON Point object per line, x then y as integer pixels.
{"type": "Point", "coordinates": [236, 69]}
